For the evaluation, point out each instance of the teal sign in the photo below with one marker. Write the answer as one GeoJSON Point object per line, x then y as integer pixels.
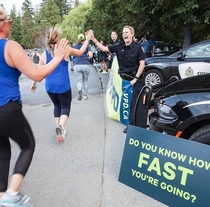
{"type": "Point", "coordinates": [173, 171]}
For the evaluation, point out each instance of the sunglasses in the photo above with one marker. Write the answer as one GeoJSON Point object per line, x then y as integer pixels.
{"type": "Point", "coordinates": [8, 20]}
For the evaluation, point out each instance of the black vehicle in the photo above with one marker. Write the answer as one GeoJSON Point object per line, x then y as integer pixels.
{"type": "Point", "coordinates": [165, 49]}
{"type": "Point", "coordinates": [160, 69]}
{"type": "Point", "coordinates": [181, 109]}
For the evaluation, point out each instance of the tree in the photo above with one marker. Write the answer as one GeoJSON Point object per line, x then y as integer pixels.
{"type": "Point", "coordinates": [27, 24]}
{"type": "Point", "coordinates": [178, 22]}
{"type": "Point", "coordinates": [102, 18]}
{"type": "Point", "coordinates": [73, 23]}
{"type": "Point", "coordinates": [15, 33]}
{"type": "Point", "coordinates": [166, 20]}
{"type": "Point", "coordinates": [64, 6]}
{"type": "Point", "coordinates": [40, 40]}
{"type": "Point", "coordinates": [185, 16]}
{"type": "Point", "coordinates": [50, 14]}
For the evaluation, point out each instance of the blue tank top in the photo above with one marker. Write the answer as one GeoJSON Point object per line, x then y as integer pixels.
{"type": "Point", "coordinates": [9, 77]}
{"type": "Point", "coordinates": [58, 81]}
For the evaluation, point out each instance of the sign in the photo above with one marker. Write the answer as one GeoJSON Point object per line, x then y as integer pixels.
{"type": "Point", "coordinates": [171, 170]}
{"type": "Point", "coordinates": [118, 95]}
{"type": "Point", "coordinates": [192, 69]}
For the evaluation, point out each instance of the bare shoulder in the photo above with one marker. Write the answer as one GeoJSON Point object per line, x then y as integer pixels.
{"type": "Point", "coordinates": [11, 43]}
{"type": "Point", "coordinates": [14, 48]}
{"type": "Point", "coordinates": [14, 53]}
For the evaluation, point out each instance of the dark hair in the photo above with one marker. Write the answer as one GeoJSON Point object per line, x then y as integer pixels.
{"type": "Point", "coordinates": [115, 32]}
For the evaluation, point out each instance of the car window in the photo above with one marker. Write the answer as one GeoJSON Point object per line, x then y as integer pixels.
{"type": "Point", "coordinates": [201, 50]}
{"type": "Point", "coordinates": [164, 48]}
{"type": "Point", "coordinates": [173, 47]}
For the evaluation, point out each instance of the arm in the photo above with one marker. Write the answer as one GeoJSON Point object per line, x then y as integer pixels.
{"type": "Point", "coordinates": [33, 86]}
{"type": "Point", "coordinates": [16, 58]}
{"type": "Point", "coordinates": [139, 72]}
{"type": "Point", "coordinates": [99, 45]}
{"type": "Point", "coordinates": [90, 55]}
{"type": "Point", "coordinates": [142, 46]}
{"type": "Point", "coordinates": [75, 52]}
{"type": "Point", "coordinates": [153, 47]}
{"type": "Point", "coordinates": [153, 50]}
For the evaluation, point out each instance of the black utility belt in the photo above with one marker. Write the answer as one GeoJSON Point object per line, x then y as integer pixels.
{"type": "Point", "coordinates": [129, 77]}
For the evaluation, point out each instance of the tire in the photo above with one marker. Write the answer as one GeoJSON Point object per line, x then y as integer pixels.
{"type": "Point", "coordinates": [202, 135]}
{"type": "Point", "coordinates": [153, 77]}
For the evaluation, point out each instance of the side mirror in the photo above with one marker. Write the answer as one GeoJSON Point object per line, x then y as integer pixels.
{"type": "Point", "coordinates": [180, 56]}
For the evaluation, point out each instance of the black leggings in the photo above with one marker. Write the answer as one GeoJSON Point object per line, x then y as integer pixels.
{"type": "Point", "coordinates": [61, 102]}
{"type": "Point", "coordinates": [14, 125]}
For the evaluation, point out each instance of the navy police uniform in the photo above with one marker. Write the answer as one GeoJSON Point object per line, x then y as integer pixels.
{"type": "Point", "coordinates": [128, 60]}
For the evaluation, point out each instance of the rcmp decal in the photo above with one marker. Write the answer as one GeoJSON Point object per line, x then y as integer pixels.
{"type": "Point", "coordinates": [192, 69]}
{"type": "Point", "coordinates": [189, 72]}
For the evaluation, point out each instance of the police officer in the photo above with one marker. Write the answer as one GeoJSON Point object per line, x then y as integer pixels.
{"type": "Point", "coordinates": [131, 61]}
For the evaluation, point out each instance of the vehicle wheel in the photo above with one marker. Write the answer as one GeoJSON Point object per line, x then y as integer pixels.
{"type": "Point", "coordinates": [202, 135]}
{"type": "Point", "coordinates": [153, 77]}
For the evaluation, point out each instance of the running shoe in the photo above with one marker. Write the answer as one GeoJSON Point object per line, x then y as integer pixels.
{"type": "Point", "coordinates": [59, 134]}
{"type": "Point", "coordinates": [85, 97]}
{"type": "Point", "coordinates": [79, 96]}
{"type": "Point", "coordinates": [18, 200]}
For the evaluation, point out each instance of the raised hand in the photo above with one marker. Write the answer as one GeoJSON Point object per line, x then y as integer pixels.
{"type": "Point", "coordinates": [61, 48]}
{"type": "Point", "coordinates": [89, 34]}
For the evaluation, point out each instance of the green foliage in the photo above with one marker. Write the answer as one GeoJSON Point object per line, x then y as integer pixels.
{"type": "Point", "coordinates": [175, 21]}
{"type": "Point", "coordinates": [164, 19]}
{"type": "Point", "coordinates": [178, 16]}
{"type": "Point", "coordinates": [27, 6]}
{"type": "Point", "coordinates": [64, 6]}
{"type": "Point", "coordinates": [27, 25]}
{"type": "Point", "coordinates": [73, 23]}
{"type": "Point", "coordinates": [50, 13]}
{"type": "Point", "coordinates": [15, 33]}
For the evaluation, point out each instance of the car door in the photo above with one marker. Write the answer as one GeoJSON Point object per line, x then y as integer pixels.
{"type": "Point", "coordinates": [199, 52]}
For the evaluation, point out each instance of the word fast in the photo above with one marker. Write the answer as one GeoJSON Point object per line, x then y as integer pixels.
{"type": "Point", "coordinates": [169, 167]}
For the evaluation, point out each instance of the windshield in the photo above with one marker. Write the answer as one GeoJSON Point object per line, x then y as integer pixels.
{"type": "Point", "coordinates": [195, 51]}
{"type": "Point", "coordinates": [201, 50]}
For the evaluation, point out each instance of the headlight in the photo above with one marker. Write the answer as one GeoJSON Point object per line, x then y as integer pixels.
{"type": "Point", "coordinates": [165, 112]}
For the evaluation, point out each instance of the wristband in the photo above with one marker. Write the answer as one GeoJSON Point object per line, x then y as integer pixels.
{"type": "Point", "coordinates": [136, 77]}
{"type": "Point", "coordinates": [88, 40]}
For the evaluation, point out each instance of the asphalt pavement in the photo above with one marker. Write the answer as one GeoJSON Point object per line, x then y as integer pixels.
{"type": "Point", "coordinates": [84, 170]}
